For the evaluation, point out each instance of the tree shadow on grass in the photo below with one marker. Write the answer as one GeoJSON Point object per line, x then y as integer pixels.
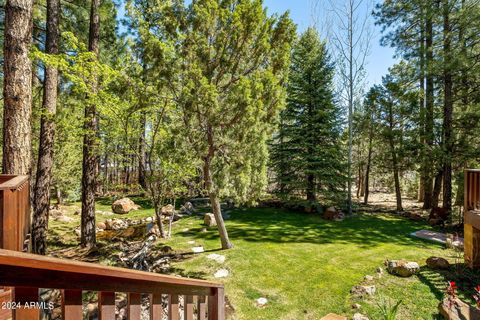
{"type": "Point", "coordinates": [465, 279]}
{"type": "Point", "coordinates": [281, 226]}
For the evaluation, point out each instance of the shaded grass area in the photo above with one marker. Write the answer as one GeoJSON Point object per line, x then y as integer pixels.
{"type": "Point", "coordinates": [305, 266]}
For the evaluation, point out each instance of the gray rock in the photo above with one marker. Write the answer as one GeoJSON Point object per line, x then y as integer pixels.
{"type": "Point", "coordinates": [216, 257]}
{"type": "Point", "coordinates": [209, 220]}
{"type": "Point", "coordinates": [402, 268]}
{"type": "Point", "coordinates": [359, 316]}
{"type": "Point", "coordinates": [221, 273]}
{"type": "Point", "coordinates": [363, 290]}
{"type": "Point", "coordinates": [368, 278]}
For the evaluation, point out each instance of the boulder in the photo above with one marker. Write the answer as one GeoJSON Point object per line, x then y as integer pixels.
{"type": "Point", "coordinates": [330, 213]}
{"type": "Point", "coordinates": [438, 263]}
{"type": "Point", "coordinates": [123, 206]}
{"type": "Point", "coordinates": [333, 214]}
{"type": "Point", "coordinates": [402, 268]}
{"type": "Point", "coordinates": [209, 220]}
{"type": "Point", "coordinates": [456, 309]}
{"type": "Point", "coordinates": [187, 208]}
{"type": "Point", "coordinates": [167, 210]}
{"type": "Point", "coordinates": [115, 224]}
{"type": "Point", "coordinates": [101, 225]}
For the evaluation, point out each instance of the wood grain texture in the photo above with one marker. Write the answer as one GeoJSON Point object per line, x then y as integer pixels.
{"type": "Point", "coordinates": [23, 269]}
{"type": "Point", "coordinates": [72, 305]}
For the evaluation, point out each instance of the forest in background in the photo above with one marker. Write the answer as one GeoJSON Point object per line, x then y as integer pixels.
{"type": "Point", "coordinates": [219, 99]}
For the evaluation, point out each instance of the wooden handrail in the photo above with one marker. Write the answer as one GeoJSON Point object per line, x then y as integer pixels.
{"type": "Point", "coordinates": [8, 181]}
{"type": "Point", "coordinates": [23, 270]}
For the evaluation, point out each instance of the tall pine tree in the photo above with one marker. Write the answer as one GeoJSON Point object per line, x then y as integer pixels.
{"type": "Point", "coordinates": [306, 151]}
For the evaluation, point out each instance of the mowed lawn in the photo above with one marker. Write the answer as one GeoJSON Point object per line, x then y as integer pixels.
{"type": "Point", "coordinates": [305, 266]}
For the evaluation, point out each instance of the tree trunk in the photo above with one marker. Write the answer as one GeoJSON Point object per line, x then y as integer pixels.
{"type": "Point", "coordinates": [421, 185]}
{"type": "Point", "coordinates": [398, 193]}
{"type": "Point", "coordinates": [429, 117]}
{"type": "Point", "coordinates": [158, 215]}
{"type": "Point", "coordinates": [215, 203]}
{"type": "Point", "coordinates": [369, 162]}
{"type": "Point", "coordinates": [59, 197]}
{"type": "Point", "coordinates": [437, 187]}
{"type": "Point", "coordinates": [17, 87]}
{"type": "Point", "coordinates": [447, 110]}
{"type": "Point", "coordinates": [41, 200]}
{"type": "Point", "coordinates": [141, 151]}
{"type": "Point", "coordinates": [311, 197]}
{"type": "Point", "coordinates": [90, 144]}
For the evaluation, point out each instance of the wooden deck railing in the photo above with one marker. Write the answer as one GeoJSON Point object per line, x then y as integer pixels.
{"type": "Point", "coordinates": [14, 211]}
{"type": "Point", "coordinates": [26, 273]}
{"type": "Point", "coordinates": [23, 274]}
{"type": "Point", "coordinates": [472, 218]}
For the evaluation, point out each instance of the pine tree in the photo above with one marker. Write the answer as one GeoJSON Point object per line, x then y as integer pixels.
{"type": "Point", "coordinates": [306, 152]}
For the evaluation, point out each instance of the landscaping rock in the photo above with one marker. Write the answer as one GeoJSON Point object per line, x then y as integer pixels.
{"type": "Point", "coordinates": [191, 242]}
{"type": "Point", "coordinates": [198, 249]}
{"type": "Point", "coordinates": [123, 206]}
{"type": "Point", "coordinates": [187, 208]}
{"type": "Point", "coordinates": [115, 224]}
{"type": "Point", "coordinates": [356, 306]}
{"type": "Point", "coordinates": [222, 273]}
{"type": "Point", "coordinates": [458, 310]}
{"type": "Point", "coordinates": [209, 220]}
{"type": "Point", "coordinates": [216, 257]}
{"type": "Point", "coordinates": [402, 268]}
{"type": "Point", "coordinates": [101, 225]}
{"type": "Point", "coordinates": [261, 302]}
{"type": "Point", "coordinates": [359, 316]}
{"type": "Point", "coordinates": [332, 213]}
{"type": "Point", "coordinates": [64, 219]}
{"type": "Point", "coordinates": [149, 219]}
{"type": "Point", "coordinates": [438, 263]}
{"type": "Point", "coordinates": [368, 278]}
{"type": "Point", "coordinates": [363, 290]}
{"type": "Point", "coordinates": [167, 210]}
{"type": "Point", "coordinates": [166, 250]}
{"type": "Point", "coordinates": [55, 213]}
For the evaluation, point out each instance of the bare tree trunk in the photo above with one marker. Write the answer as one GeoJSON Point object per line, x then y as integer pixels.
{"type": "Point", "coordinates": [17, 87]}
{"type": "Point", "coordinates": [215, 202]}
{"type": "Point", "coordinates": [90, 144]}
{"type": "Point", "coordinates": [398, 192]}
{"type": "Point", "coordinates": [158, 215]}
{"type": "Point", "coordinates": [447, 109]}
{"type": "Point", "coordinates": [369, 163]}
{"type": "Point", "coordinates": [429, 117]}
{"type": "Point", "coordinates": [41, 200]}
{"type": "Point", "coordinates": [141, 151]}
{"type": "Point", "coordinates": [437, 187]}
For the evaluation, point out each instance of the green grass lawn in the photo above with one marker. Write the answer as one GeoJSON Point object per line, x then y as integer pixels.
{"type": "Point", "coordinates": [305, 266]}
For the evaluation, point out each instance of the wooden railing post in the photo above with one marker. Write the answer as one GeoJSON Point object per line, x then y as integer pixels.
{"type": "Point", "coordinates": [134, 306]}
{"type": "Point", "coordinates": [106, 305]}
{"type": "Point", "coordinates": [173, 313]}
{"type": "Point", "coordinates": [72, 305]}
{"type": "Point", "coordinates": [156, 308]}
{"type": "Point", "coordinates": [21, 297]}
{"type": "Point", "coordinates": [216, 305]}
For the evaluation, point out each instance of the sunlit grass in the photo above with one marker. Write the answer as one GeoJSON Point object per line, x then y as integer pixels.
{"type": "Point", "coordinates": [305, 266]}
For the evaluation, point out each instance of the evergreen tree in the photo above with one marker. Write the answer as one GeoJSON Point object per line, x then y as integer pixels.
{"type": "Point", "coordinates": [306, 153]}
